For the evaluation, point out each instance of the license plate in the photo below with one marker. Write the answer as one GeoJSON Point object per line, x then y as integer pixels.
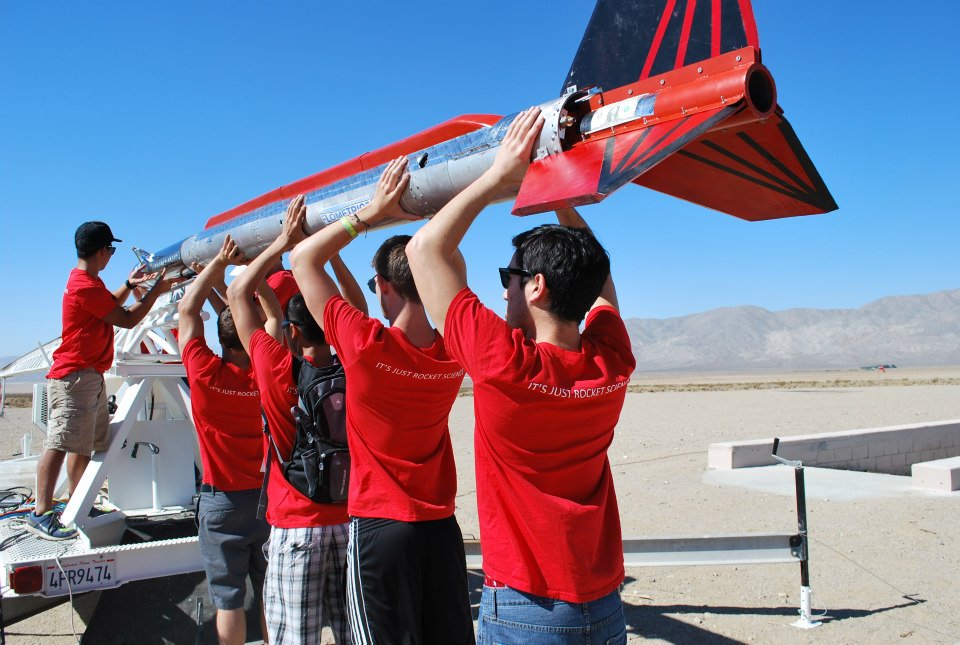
{"type": "Point", "coordinates": [81, 575]}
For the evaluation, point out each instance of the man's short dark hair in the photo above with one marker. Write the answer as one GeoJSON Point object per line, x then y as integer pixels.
{"type": "Point", "coordinates": [299, 315]}
{"type": "Point", "coordinates": [227, 331]}
{"type": "Point", "coordinates": [571, 260]}
{"type": "Point", "coordinates": [390, 263]}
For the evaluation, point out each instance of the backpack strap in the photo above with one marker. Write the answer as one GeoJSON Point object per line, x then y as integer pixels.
{"type": "Point", "coordinates": [296, 365]}
{"type": "Point", "coordinates": [276, 450]}
{"type": "Point", "coordinates": [262, 503]}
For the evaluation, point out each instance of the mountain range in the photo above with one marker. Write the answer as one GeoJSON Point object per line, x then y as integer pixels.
{"type": "Point", "coordinates": [921, 330]}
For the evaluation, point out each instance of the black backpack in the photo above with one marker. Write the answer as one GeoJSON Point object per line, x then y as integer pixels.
{"type": "Point", "coordinates": [319, 466]}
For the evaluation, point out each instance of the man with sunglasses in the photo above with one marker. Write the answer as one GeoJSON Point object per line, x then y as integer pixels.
{"type": "Point", "coordinates": [406, 565]}
{"type": "Point", "coordinates": [546, 399]}
{"type": "Point", "coordinates": [78, 423]}
{"type": "Point", "coordinates": [306, 551]}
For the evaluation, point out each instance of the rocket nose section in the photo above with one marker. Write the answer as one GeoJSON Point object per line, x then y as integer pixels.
{"type": "Point", "coordinates": [168, 258]}
{"type": "Point", "coordinates": [143, 257]}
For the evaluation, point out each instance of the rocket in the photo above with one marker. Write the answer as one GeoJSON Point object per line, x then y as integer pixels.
{"type": "Point", "coordinates": [667, 94]}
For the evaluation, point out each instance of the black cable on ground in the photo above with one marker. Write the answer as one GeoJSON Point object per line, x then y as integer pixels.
{"type": "Point", "coordinates": [14, 497]}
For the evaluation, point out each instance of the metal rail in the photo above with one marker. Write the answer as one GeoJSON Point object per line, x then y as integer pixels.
{"type": "Point", "coordinates": [720, 550]}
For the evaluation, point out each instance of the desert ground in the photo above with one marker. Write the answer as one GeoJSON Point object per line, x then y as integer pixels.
{"type": "Point", "coordinates": [884, 558]}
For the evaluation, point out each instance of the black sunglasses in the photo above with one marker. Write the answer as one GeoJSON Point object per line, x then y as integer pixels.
{"type": "Point", "coordinates": [506, 272]}
{"type": "Point", "coordinates": [112, 249]}
{"type": "Point", "coordinates": [372, 284]}
{"type": "Point", "coordinates": [287, 323]}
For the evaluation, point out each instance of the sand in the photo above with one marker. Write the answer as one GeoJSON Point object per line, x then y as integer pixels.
{"type": "Point", "coordinates": [884, 562]}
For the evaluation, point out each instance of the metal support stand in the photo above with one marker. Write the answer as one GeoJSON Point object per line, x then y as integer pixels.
{"type": "Point", "coordinates": [714, 550]}
{"type": "Point", "coordinates": [151, 463]}
{"type": "Point", "coordinates": [806, 620]}
{"type": "Point", "coordinates": [147, 359]}
{"type": "Point", "coordinates": [198, 639]}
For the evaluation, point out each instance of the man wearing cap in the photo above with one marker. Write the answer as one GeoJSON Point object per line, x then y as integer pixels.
{"type": "Point", "coordinates": [78, 422]}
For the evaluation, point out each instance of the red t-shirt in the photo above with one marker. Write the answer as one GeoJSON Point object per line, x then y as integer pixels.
{"type": "Point", "coordinates": [285, 286]}
{"type": "Point", "coordinates": [87, 340]}
{"type": "Point", "coordinates": [273, 369]}
{"type": "Point", "coordinates": [545, 416]}
{"type": "Point", "coordinates": [226, 411]}
{"type": "Point", "coordinates": [398, 399]}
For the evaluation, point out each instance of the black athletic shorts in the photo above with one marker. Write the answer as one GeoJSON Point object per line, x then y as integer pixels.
{"type": "Point", "coordinates": [407, 582]}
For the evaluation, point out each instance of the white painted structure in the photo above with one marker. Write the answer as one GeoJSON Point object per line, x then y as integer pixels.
{"type": "Point", "coordinates": [149, 470]}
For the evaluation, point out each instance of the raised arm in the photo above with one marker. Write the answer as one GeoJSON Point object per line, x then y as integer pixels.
{"type": "Point", "coordinates": [136, 278]}
{"type": "Point", "coordinates": [608, 295]}
{"type": "Point", "coordinates": [309, 258]}
{"type": "Point", "coordinates": [189, 308]}
{"type": "Point", "coordinates": [433, 251]}
{"type": "Point", "coordinates": [349, 287]}
{"type": "Point", "coordinates": [217, 301]}
{"type": "Point", "coordinates": [245, 311]}
{"type": "Point", "coordinates": [128, 317]}
{"type": "Point", "coordinates": [273, 313]}
{"type": "Point", "coordinates": [218, 295]}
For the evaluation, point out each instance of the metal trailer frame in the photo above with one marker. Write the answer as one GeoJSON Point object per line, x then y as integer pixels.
{"type": "Point", "coordinates": [147, 361]}
{"type": "Point", "coordinates": [70, 566]}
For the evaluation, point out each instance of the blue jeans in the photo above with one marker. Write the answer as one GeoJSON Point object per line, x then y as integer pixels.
{"type": "Point", "coordinates": [508, 616]}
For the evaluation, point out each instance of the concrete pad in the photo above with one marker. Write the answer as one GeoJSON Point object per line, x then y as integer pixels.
{"type": "Point", "coordinates": [940, 475]}
{"type": "Point", "coordinates": [821, 483]}
{"type": "Point", "coordinates": [19, 472]}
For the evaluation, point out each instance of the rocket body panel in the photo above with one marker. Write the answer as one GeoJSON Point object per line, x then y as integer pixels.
{"type": "Point", "coordinates": [443, 132]}
{"type": "Point", "coordinates": [667, 94]}
{"type": "Point", "coordinates": [437, 174]}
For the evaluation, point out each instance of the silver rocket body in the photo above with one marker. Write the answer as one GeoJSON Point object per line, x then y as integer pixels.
{"type": "Point", "coordinates": [437, 174]}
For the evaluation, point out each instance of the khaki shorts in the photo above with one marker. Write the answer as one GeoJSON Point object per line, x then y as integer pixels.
{"type": "Point", "coordinates": [77, 419]}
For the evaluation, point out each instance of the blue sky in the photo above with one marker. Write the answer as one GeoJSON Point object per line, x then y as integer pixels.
{"type": "Point", "coordinates": [156, 116]}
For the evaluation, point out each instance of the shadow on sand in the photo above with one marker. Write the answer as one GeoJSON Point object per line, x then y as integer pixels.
{"type": "Point", "coordinates": [666, 622]}
{"type": "Point", "coordinates": [162, 611]}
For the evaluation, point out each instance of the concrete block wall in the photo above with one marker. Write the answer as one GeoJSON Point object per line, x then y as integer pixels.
{"type": "Point", "coordinates": [892, 450]}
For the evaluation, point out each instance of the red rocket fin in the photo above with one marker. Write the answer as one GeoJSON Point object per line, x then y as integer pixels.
{"type": "Point", "coordinates": [756, 172]}
{"type": "Point", "coordinates": [630, 40]}
{"type": "Point", "coordinates": [590, 171]}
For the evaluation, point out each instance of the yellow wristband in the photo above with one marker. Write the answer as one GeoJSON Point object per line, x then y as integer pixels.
{"type": "Point", "coordinates": [347, 225]}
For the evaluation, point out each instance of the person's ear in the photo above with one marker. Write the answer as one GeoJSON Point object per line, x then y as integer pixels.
{"type": "Point", "coordinates": [293, 338]}
{"type": "Point", "coordinates": [539, 292]}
